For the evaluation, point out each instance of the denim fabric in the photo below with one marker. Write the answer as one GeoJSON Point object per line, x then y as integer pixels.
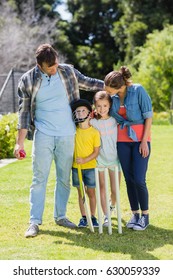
{"type": "Point", "coordinates": [138, 108]}
{"type": "Point", "coordinates": [45, 150]}
{"type": "Point", "coordinates": [134, 168]}
{"type": "Point", "coordinates": [88, 176]}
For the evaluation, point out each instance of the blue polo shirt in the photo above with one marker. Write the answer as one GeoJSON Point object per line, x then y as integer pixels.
{"type": "Point", "coordinates": [53, 113]}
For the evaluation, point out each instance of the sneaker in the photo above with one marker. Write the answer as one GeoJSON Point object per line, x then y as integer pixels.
{"type": "Point", "coordinates": [94, 221]}
{"type": "Point", "coordinates": [142, 223]}
{"type": "Point", "coordinates": [65, 223]}
{"type": "Point", "coordinates": [112, 210]}
{"type": "Point", "coordinates": [32, 231]}
{"type": "Point", "coordinates": [133, 221]}
{"type": "Point", "coordinates": [105, 224]}
{"type": "Point", "coordinates": [83, 222]}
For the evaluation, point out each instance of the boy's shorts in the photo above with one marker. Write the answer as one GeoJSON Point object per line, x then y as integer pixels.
{"type": "Point", "coordinates": [88, 176]}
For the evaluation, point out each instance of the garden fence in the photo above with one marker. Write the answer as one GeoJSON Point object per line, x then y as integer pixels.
{"type": "Point", "coordinates": [8, 91]}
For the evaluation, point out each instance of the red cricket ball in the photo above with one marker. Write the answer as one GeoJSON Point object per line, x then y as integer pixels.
{"type": "Point", "coordinates": [22, 153]}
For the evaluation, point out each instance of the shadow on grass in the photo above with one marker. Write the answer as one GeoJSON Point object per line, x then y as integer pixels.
{"type": "Point", "coordinates": [139, 245]}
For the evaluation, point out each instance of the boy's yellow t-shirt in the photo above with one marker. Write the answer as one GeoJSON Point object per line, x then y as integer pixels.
{"type": "Point", "coordinates": [85, 142]}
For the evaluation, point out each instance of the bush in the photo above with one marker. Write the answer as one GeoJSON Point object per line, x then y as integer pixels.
{"type": "Point", "coordinates": [162, 118]}
{"type": "Point", "coordinates": [8, 131]}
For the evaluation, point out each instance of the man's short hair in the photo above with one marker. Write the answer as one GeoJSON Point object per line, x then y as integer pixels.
{"type": "Point", "coordinates": [46, 53]}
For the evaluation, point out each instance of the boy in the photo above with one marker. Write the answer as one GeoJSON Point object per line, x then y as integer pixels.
{"type": "Point", "coordinates": [87, 144]}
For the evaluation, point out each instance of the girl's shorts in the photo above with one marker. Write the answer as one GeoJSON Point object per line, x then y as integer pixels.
{"type": "Point", "coordinates": [105, 164]}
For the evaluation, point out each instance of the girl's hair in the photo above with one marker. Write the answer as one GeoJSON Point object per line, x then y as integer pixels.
{"type": "Point", "coordinates": [46, 53]}
{"type": "Point", "coordinates": [117, 79]}
{"type": "Point", "coordinates": [102, 95]}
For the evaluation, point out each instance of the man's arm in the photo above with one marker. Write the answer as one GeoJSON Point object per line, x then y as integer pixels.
{"type": "Point", "coordinates": [20, 142]}
{"type": "Point", "coordinates": [88, 83]}
{"type": "Point", "coordinates": [24, 103]}
{"type": "Point", "coordinates": [24, 117]}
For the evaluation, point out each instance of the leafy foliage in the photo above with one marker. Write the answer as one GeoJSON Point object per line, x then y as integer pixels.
{"type": "Point", "coordinates": [136, 20]}
{"type": "Point", "coordinates": [89, 33]}
{"type": "Point", "coordinates": [33, 11]}
{"type": "Point", "coordinates": [8, 130]}
{"type": "Point", "coordinates": [154, 63]}
{"type": "Point", "coordinates": [162, 118]}
{"type": "Point", "coordinates": [111, 31]}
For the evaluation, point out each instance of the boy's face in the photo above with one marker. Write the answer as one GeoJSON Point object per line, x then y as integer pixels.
{"type": "Point", "coordinates": [81, 112]}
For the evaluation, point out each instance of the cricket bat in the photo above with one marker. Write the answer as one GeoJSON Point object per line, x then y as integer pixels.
{"type": "Point", "coordinates": [84, 199]}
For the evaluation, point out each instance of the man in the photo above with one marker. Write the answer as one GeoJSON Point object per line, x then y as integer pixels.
{"type": "Point", "coordinates": [45, 93]}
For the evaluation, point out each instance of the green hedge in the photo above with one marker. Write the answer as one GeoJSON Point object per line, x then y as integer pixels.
{"type": "Point", "coordinates": [8, 131]}
{"type": "Point", "coordinates": [163, 118]}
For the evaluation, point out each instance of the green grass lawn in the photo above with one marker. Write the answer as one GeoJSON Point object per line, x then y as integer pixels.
{"type": "Point", "coordinates": [57, 243]}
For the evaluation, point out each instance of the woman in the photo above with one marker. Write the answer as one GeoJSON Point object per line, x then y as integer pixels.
{"type": "Point", "coordinates": [132, 109]}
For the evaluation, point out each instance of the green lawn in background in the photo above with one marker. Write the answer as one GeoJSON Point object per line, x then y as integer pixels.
{"type": "Point", "coordinates": [58, 243]}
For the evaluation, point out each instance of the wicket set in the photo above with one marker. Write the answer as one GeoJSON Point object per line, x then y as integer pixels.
{"type": "Point", "coordinates": [99, 209]}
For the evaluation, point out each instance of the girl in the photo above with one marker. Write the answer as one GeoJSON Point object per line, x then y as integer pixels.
{"type": "Point", "coordinates": [107, 127]}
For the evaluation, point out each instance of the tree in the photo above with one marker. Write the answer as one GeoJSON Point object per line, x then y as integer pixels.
{"type": "Point", "coordinates": [136, 20]}
{"type": "Point", "coordinates": [105, 32]}
{"type": "Point", "coordinates": [90, 45]}
{"type": "Point", "coordinates": [19, 40]}
{"type": "Point", "coordinates": [32, 11]}
{"type": "Point", "coordinates": [154, 63]}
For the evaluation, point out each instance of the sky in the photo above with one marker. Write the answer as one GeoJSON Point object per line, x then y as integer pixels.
{"type": "Point", "coordinates": [62, 10]}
